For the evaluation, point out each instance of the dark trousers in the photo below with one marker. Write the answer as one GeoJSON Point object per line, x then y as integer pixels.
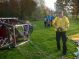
{"type": "Point", "coordinates": [45, 23]}
{"type": "Point", "coordinates": [62, 35]}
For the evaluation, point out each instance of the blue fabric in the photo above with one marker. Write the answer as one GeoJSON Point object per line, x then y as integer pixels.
{"type": "Point", "coordinates": [49, 18]}
{"type": "Point", "coordinates": [26, 27]}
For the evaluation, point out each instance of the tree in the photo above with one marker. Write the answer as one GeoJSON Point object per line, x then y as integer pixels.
{"type": "Point", "coordinates": [75, 5]}
{"type": "Point", "coordinates": [27, 7]}
{"type": "Point", "coordinates": [18, 8]}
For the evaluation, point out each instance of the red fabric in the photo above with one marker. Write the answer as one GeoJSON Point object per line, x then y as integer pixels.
{"type": "Point", "coordinates": [3, 32]}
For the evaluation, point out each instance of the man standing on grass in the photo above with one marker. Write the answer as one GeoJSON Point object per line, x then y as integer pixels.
{"type": "Point", "coordinates": [26, 30]}
{"type": "Point", "coordinates": [61, 24]}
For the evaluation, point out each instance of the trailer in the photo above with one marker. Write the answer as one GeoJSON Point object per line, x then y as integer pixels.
{"type": "Point", "coordinates": [10, 35]}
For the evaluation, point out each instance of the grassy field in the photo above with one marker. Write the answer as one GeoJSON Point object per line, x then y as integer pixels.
{"type": "Point", "coordinates": [42, 44]}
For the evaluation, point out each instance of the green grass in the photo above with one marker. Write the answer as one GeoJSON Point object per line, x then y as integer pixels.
{"type": "Point", "coordinates": [42, 44]}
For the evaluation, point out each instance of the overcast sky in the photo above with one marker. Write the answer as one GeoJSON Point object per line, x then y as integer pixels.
{"type": "Point", "coordinates": [50, 4]}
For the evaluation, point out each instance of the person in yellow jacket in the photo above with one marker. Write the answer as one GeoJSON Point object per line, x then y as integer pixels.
{"type": "Point", "coordinates": [61, 24]}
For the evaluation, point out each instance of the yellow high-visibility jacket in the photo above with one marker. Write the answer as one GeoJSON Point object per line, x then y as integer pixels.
{"type": "Point", "coordinates": [61, 22]}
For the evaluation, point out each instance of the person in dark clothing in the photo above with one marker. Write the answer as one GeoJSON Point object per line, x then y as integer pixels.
{"type": "Point", "coordinates": [45, 21]}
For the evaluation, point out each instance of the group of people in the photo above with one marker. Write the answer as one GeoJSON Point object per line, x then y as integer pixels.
{"type": "Point", "coordinates": [48, 20]}
{"type": "Point", "coordinates": [61, 25]}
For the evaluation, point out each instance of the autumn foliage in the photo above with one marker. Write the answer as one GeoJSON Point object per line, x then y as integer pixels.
{"type": "Point", "coordinates": [18, 8]}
